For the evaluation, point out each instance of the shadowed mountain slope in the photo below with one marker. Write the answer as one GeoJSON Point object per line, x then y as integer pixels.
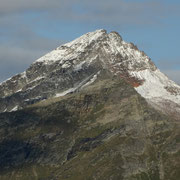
{"type": "Point", "coordinates": [103, 131]}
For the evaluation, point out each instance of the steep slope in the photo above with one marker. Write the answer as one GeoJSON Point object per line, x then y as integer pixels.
{"type": "Point", "coordinates": [104, 131]}
{"type": "Point", "coordinates": [72, 65]}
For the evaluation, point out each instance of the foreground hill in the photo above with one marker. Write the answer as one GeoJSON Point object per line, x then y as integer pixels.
{"type": "Point", "coordinates": [104, 131]}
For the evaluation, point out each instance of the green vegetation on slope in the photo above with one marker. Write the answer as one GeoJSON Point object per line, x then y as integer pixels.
{"type": "Point", "coordinates": [105, 131]}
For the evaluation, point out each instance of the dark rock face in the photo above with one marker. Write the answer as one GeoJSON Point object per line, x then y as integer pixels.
{"type": "Point", "coordinates": [105, 131]}
{"type": "Point", "coordinates": [54, 82]}
{"type": "Point", "coordinates": [15, 153]}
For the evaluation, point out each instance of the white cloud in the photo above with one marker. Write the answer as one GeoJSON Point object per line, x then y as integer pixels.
{"type": "Point", "coordinates": [13, 6]}
{"type": "Point", "coordinates": [20, 49]}
{"type": "Point", "coordinates": [116, 12]}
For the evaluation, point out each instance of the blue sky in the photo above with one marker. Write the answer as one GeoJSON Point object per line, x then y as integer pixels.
{"type": "Point", "coordinates": [30, 29]}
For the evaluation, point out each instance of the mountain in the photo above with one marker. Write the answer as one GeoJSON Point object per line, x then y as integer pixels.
{"type": "Point", "coordinates": [95, 108]}
{"type": "Point", "coordinates": [72, 65]}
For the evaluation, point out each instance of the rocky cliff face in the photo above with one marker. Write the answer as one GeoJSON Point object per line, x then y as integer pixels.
{"type": "Point", "coordinates": [74, 64]}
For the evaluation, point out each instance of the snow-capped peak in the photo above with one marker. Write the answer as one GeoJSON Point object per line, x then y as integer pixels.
{"type": "Point", "coordinates": [73, 65]}
{"type": "Point", "coordinates": [71, 50]}
{"type": "Point", "coordinates": [87, 38]}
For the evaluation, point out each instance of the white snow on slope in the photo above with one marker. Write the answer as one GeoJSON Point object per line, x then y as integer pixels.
{"type": "Point", "coordinates": [66, 92]}
{"type": "Point", "coordinates": [79, 66]}
{"type": "Point", "coordinates": [14, 109]}
{"type": "Point", "coordinates": [81, 85]}
{"type": "Point", "coordinates": [71, 50]}
{"type": "Point", "coordinates": [93, 79]}
{"type": "Point", "coordinates": [57, 55]}
{"type": "Point", "coordinates": [5, 110]}
{"type": "Point", "coordinates": [86, 39]}
{"type": "Point", "coordinates": [155, 85]}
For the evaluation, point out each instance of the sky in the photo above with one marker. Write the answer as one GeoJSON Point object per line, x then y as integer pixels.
{"type": "Point", "coordinates": [31, 28]}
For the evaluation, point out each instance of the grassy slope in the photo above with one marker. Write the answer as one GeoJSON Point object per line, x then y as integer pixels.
{"type": "Point", "coordinates": [106, 131]}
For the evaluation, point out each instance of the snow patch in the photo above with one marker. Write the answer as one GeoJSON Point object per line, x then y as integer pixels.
{"type": "Point", "coordinates": [5, 110]}
{"type": "Point", "coordinates": [71, 50]}
{"type": "Point", "coordinates": [35, 98]}
{"type": "Point", "coordinates": [36, 79]}
{"type": "Point", "coordinates": [87, 38]}
{"type": "Point", "coordinates": [66, 65]}
{"type": "Point", "coordinates": [154, 85]}
{"type": "Point", "coordinates": [14, 109]}
{"type": "Point", "coordinates": [80, 85]}
{"type": "Point", "coordinates": [66, 92]}
{"type": "Point", "coordinates": [23, 75]}
{"type": "Point", "coordinates": [30, 88]}
{"type": "Point", "coordinates": [93, 79]}
{"type": "Point", "coordinates": [79, 66]}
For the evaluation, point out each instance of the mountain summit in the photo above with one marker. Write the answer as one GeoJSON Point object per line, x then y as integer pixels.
{"type": "Point", "coordinates": [74, 65]}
